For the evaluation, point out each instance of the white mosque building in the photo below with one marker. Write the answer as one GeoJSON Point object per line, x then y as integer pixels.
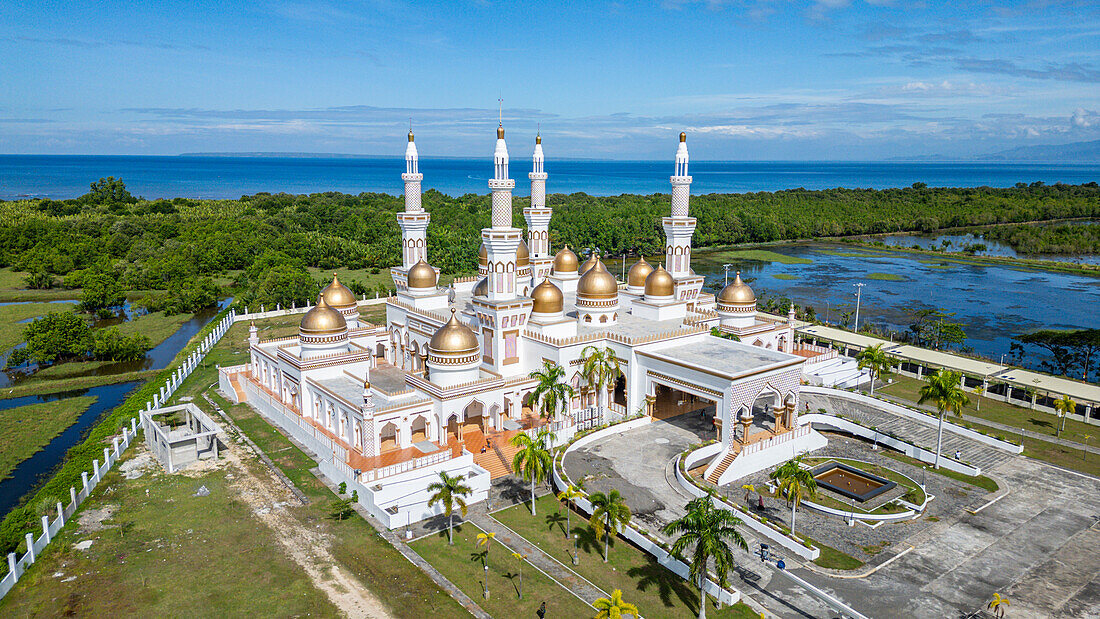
{"type": "Point", "coordinates": [447, 380]}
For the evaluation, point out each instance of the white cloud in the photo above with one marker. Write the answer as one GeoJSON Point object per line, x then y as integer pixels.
{"type": "Point", "coordinates": [1084, 119]}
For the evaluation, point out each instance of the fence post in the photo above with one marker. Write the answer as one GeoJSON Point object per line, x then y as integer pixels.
{"type": "Point", "coordinates": [84, 478]}
{"type": "Point", "coordinates": [30, 548]}
{"type": "Point", "coordinates": [61, 513]}
{"type": "Point", "coordinates": [46, 528]}
{"type": "Point", "coordinates": [114, 441]}
{"type": "Point", "coordinates": [106, 456]}
{"type": "Point", "coordinates": [11, 567]}
{"type": "Point", "coordinates": [72, 495]}
{"type": "Point", "coordinates": [133, 425]}
{"type": "Point", "coordinates": [95, 471]}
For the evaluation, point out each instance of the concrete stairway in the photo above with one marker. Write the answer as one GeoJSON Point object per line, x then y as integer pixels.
{"type": "Point", "coordinates": [727, 460]}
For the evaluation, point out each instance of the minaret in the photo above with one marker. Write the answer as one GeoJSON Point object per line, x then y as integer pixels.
{"type": "Point", "coordinates": [538, 217]}
{"type": "Point", "coordinates": [414, 221]}
{"type": "Point", "coordinates": [680, 227]}
{"type": "Point", "coordinates": [369, 438]}
{"type": "Point", "coordinates": [501, 240]}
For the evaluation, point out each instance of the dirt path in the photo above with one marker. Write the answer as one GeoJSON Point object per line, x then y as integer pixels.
{"type": "Point", "coordinates": [268, 499]}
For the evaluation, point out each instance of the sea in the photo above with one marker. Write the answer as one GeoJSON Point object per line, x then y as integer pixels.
{"type": "Point", "coordinates": [68, 176]}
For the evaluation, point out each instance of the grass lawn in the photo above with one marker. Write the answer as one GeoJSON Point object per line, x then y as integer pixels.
{"type": "Point", "coordinates": [980, 481]}
{"type": "Point", "coordinates": [25, 430]}
{"type": "Point", "coordinates": [832, 558]}
{"type": "Point", "coordinates": [156, 326]}
{"type": "Point", "coordinates": [164, 552]}
{"type": "Point", "coordinates": [354, 543]}
{"type": "Point", "coordinates": [654, 589]}
{"type": "Point", "coordinates": [12, 288]}
{"type": "Point", "coordinates": [886, 277]}
{"type": "Point", "coordinates": [462, 565]}
{"type": "Point", "coordinates": [11, 330]}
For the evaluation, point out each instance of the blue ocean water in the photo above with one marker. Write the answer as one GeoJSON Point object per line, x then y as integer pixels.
{"type": "Point", "coordinates": [68, 176]}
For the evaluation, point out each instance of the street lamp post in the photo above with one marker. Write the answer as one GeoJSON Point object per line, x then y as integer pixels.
{"type": "Point", "coordinates": [859, 291]}
{"type": "Point", "coordinates": [576, 540]}
{"type": "Point", "coordinates": [727, 280]}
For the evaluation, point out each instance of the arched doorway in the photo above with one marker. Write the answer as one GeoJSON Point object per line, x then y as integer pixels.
{"type": "Point", "coordinates": [766, 409]}
{"type": "Point", "coordinates": [388, 437]}
{"type": "Point", "coordinates": [474, 418]}
{"type": "Point", "coordinates": [454, 430]}
{"type": "Point", "coordinates": [419, 429]}
{"type": "Point", "coordinates": [618, 394]}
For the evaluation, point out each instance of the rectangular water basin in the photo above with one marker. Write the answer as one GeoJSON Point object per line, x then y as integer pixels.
{"type": "Point", "coordinates": [850, 481]}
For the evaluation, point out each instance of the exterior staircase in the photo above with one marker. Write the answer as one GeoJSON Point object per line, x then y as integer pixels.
{"type": "Point", "coordinates": [727, 460]}
{"type": "Point", "coordinates": [498, 459]}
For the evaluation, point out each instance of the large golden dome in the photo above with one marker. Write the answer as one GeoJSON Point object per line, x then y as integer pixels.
{"type": "Point", "coordinates": [565, 261]}
{"type": "Point", "coordinates": [548, 298]}
{"type": "Point", "coordinates": [637, 274]}
{"type": "Point", "coordinates": [322, 320]}
{"type": "Point", "coordinates": [659, 283]}
{"type": "Point", "coordinates": [338, 296]}
{"type": "Point", "coordinates": [481, 289]}
{"type": "Point", "coordinates": [453, 338]}
{"type": "Point", "coordinates": [523, 255]}
{"type": "Point", "coordinates": [737, 293]}
{"type": "Point", "coordinates": [421, 275]}
{"type": "Point", "coordinates": [598, 283]}
{"type": "Point", "coordinates": [588, 264]}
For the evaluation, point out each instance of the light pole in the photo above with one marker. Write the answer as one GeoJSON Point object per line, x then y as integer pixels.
{"type": "Point", "coordinates": [576, 539]}
{"type": "Point", "coordinates": [624, 267]}
{"type": "Point", "coordinates": [727, 268]}
{"type": "Point", "coordinates": [859, 291]}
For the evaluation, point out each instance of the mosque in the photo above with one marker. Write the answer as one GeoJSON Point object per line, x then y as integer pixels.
{"type": "Point", "coordinates": [447, 381]}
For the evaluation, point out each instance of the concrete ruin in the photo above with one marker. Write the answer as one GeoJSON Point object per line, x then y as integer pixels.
{"type": "Point", "coordinates": [181, 435]}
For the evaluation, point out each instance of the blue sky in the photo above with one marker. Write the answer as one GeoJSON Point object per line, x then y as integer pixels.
{"type": "Point", "coordinates": [754, 79]}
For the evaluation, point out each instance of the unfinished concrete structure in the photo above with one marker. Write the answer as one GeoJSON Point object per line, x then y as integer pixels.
{"type": "Point", "coordinates": [180, 435]}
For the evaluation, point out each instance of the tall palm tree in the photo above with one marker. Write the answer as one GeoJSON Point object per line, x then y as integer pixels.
{"type": "Point", "coordinates": [449, 491]}
{"type": "Point", "coordinates": [876, 362]}
{"type": "Point", "coordinates": [944, 390]}
{"type": "Point", "coordinates": [601, 367]}
{"type": "Point", "coordinates": [552, 390]}
{"type": "Point", "coordinates": [567, 496]}
{"type": "Point", "coordinates": [1064, 406]}
{"type": "Point", "coordinates": [998, 605]}
{"type": "Point", "coordinates": [486, 540]}
{"type": "Point", "coordinates": [533, 459]}
{"type": "Point", "coordinates": [610, 514]}
{"type": "Point", "coordinates": [710, 531]}
{"type": "Point", "coordinates": [614, 607]}
{"type": "Point", "coordinates": [796, 482]}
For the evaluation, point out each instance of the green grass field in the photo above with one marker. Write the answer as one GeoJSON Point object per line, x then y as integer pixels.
{"type": "Point", "coordinates": [654, 589]}
{"type": "Point", "coordinates": [12, 288]}
{"type": "Point", "coordinates": [25, 430]}
{"type": "Point", "coordinates": [462, 565]}
{"type": "Point", "coordinates": [784, 276]}
{"type": "Point", "coordinates": [886, 277]}
{"type": "Point", "coordinates": [980, 481]}
{"type": "Point", "coordinates": [156, 326]}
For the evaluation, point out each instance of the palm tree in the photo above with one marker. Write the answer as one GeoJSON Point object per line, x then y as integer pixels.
{"type": "Point", "coordinates": [876, 362]}
{"type": "Point", "coordinates": [567, 496]}
{"type": "Point", "coordinates": [614, 607]}
{"type": "Point", "coordinates": [709, 530]}
{"type": "Point", "coordinates": [610, 514]}
{"type": "Point", "coordinates": [533, 459]}
{"type": "Point", "coordinates": [601, 366]}
{"type": "Point", "coordinates": [943, 389]}
{"type": "Point", "coordinates": [521, 558]}
{"type": "Point", "coordinates": [796, 482]}
{"type": "Point", "coordinates": [998, 605]}
{"type": "Point", "coordinates": [486, 540]}
{"type": "Point", "coordinates": [1064, 406]}
{"type": "Point", "coordinates": [552, 390]}
{"type": "Point", "coordinates": [449, 491]}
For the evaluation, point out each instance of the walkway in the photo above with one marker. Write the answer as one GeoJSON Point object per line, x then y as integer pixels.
{"type": "Point", "coordinates": [920, 434]}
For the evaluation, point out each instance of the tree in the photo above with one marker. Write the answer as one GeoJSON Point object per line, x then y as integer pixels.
{"type": "Point", "coordinates": [567, 496]}
{"type": "Point", "coordinates": [709, 531]}
{"type": "Point", "coordinates": [100, 291]}
{"type": "Point", "coordinates": [109, 190]}
{"type": "Point", "coordinates": [943, 389]}
{"type": "Point", "coordinates": [1061, 357]}
{"type": "Point", "coordinates": [552, 391]}
{"type": "Point", "coordinates": [57, 336]}
{"type": "Point", "coordinates": [601, 367]}
{"type": "Point", "coordinates": [449, 491]}
{"type": "Point", "coordinates": [796, 482]}
{"type": "Point", "coordinates": [533, 459]}
{"type": "Point", "coordinates": [877, 362]}
{"type": "Point", "coordinates": [486, 540]}
{"type": "Point", "coordinates": [614, 607]}
{"type": "Point", "coordinates": [521, 558]}
{"type": "Point", "coordinates": [998, 605]}
{"type": "Point", "coordinates": [610, 514]}
{"type": "Point", "coordinates": [1065, 405]}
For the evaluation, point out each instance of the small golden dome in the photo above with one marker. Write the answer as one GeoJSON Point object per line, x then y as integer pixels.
{"type": "Point", "coordinates": [737, 293]}
{"type": "Point", "coordinates": [637, 273]}
{"type": "Point", "coordinates": [421, 275]}
{"type": "Point", "coordinates": [683, 137]}
{"type": "Point", "coordinates": [538, 139]}
{"type": "Point", "coordinates": [565, 261]}
{"type": "Point", "coordinates": [500, 132]}
{"type": "Point", "coordinates": [659, 283]}
{"type": "Point", "coordinates": [548, 298]}
{"type": "Point", "coordinates": [482, 288]}
{"type": "Point", "coordinates": [588, 264]}
{"type": "Point", "coordinates": [322, 320]}
{"type": "Point", "coordinates": [453, 338]}
{"type": "Point", "coordinates": [410, 135]}
{"type": "Point", "coordinates": [598, 283]}
{"type": "Point", "coordinates": [523, 254]}
{"type": "Point", "coordinates": [338, 296]}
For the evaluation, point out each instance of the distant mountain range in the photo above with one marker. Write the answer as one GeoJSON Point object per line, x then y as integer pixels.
{"type": "Point", "coordinates": [1075, 152]}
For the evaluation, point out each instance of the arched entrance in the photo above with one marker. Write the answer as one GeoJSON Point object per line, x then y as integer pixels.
{"type": "Point", "coordinates": [474, 418]}
{"type": "Point", "coordinates": [618, 393]}
{"type": "Point", "coordinates": [419, 429]}
{"type": "Point", "coordinates": [388, 437]}
{"type": "Point", "coordinates": [454, 430]}
{"type": "Point", "coordinates": [684, 409]}
{"type": "Point", "coordinates": [766, 410]}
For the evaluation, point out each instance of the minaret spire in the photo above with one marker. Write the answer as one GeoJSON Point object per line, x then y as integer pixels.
{"type": "Point", "coordinates": [414, 221]}
{"type": "Point", "coordinates": [537, 215]}
{"type": "Point", "coordinates": [680, 227]}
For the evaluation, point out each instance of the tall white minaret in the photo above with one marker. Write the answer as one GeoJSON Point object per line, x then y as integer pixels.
{"type": "Point", "coordinates": [414, 221]}
{"type": "Point", "coordinates": [680, 227]}
{"type": "Point", "coordinates": [537, 215]}
{"type": "Point", "coordinates": [501, 240]}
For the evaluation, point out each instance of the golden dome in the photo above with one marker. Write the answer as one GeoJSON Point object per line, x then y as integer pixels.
{"type": "Point", "coordinates": [737, 293]}
{"type": "Point", "coordinates": [683, 137]}
{"type": "Point", "coordinates": [500, 132]}
{"type": "Point", "coordinates": [659, 283]}
{"type": "Point", "coordinates": [523, 254]}
{"type": "Point", "coordinates": [322, 320]}
{"type": "Point", "coordinates": [548, 298]}
{"type": "Point", "coordinates": [453, 338]}
{"type": "Point", "coordinates": [337, 295]}
{"type": "Point", "coordinates": [481, 289]}
{"type": "Point", "coordinates": [588, 264]}
{"type": "Point", "coordinates": [637, 273]}
{"type": "Point", "coordinates": [598, 283]}
{"type": "Point", "coordinates": [538, 139]}
{"type": "Point", "coordinates": [421, 275]}
{"type": "Point", "coordinates": [410, 135]}
{"type": "Point", "coordinates": [565, 261]}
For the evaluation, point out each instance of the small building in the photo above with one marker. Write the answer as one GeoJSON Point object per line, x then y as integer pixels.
{"type": "Point", "coordinates": [181, 435]}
